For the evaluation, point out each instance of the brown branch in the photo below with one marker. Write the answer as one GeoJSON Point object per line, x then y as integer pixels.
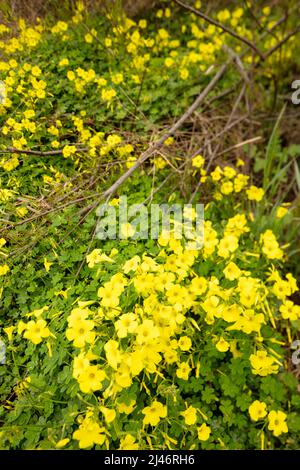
{"type": "Point", "coordinates": [240, 144]}
{"type": "Point", "coordinates": [37, 152]}
{"type": "Point", "coordinates": [238, 62]}
{"type": "Point", "coordinates": [283, 41]}
{"type": "Point", "coordinates": [221, 26]}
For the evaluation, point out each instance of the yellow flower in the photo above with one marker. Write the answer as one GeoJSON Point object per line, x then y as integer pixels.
{"type": "Point", "coordinates": [122, 376]}
{"type": "Point", "coordinates": [80, 332]}
{"type": "Point", "coordinates": [127, 409]}
{"type": "Point", "coordinates": [113, 140]}
{"type": "Point", "coordinates": [77, 314]}
{"type": "Point", "coordinates": [36, 331]}
{"type": "Point", "coordinates": [223, 15]}
{"type": "Point", "coordinates": [231, 313]}
{"type": "Point", "coordinates": [270, 245]}
{"type": "Point", "coordinates": [113, 354]}
{"type": "Point", "coordinates": [55, 144]}
{"type": "Point", "coordinates": [114, 202]}
{"type": "Point", "coordinates": [167, 12]}
{"type": "Point", "coordinates": [255, 194]}
{"type": "Point", "coordinates": [176, 294]}
{"type": "Point", "coordinates": [89, 433]}
{"type": "Point", "coordinates": [29, 113]}
{"type": "Point", "coordinates": [292, 282]}
{"type": "Point", "coordinates": [198, 161]}
{"type": "Point", "coordinates": [143, 24]}
{"type": "Point", "coordinates": [266, 11]}
{"type": "Point", "coordinates": [96, 256]}
{"type": "Point", "coordinates": [21, 327]}
{"type": "Point", "coordinates": [169, 62]}
{"type": "Point", "coordinates": [277, 422]}
{"type": "Point", "coordinates": [21, 211]}
{"type": "Point", "coordinates": [198, 285]}
{"type": "Point", "coordinates": [154, 413]}
{"type": "Point", "coordinates": [108, 94]}
{"type": "Point", "coordinates": [109, 297]}
{"type": "Point", "coordinates": [128, 443]}
{"type": "Point", "coordinates": [109, 415]}
{"type": "Point", "coordinates": [169, 141]}
{"type": "Point", "coordinates": [131, 264]}
{"type": "Point", "coordinates": [146, 332]}
{"type": "Point", "coordinates": [183, 371]}
{"type": "Point", "coordinates": [281, 212]}
{"type": "Point", "coordinates": [240, 182]}
{"type": "Point", "coordinates": [53, 131]}
{"type": "Point", "coordinates": [216, 174]}
{"type": "Point", "coordinates": [190, 415]}
{"type": "Point", "coordinates": [229, 172]}
{"type": "Point", "coordinates": [19, 143]}
{"type": "Point", "coordinates": [47, 265]}
{"type": "Point", "coordinates": [81, 362]}
{"type": "Point", "coordinates": [222, 345]}
{"type": "Point", "coordinates": [237, 225]}
{"type": "Point", "coordinates": [185, 343]}
{"type": "Point", "coordinates": [257, 410]}
{"type": "Point", "coordinates": [125, 150]}
{"type": "Point", "coordinates": [62, 443]}
{"type": "Point", "coordinates": [117, 78]}
{"type": "Point", "coordinates": [36, 71]}
{"type": "Point", "coordinates": [127, 230]}
{"type": "Point", "coordinates": [63, 62]}
{"type": "Point", "coordinates": [130, 161]}
{"type": "Point", "coordinates": [88, 38]}
{"type": "Point", "coordinates": [281, 289]}
{"type": "Point", "coordinates": [5, 194]}
{"type": "Point", "coordinates": [9, 331]}
{"type": "Point", "coordinates": [3, 269]}
{"type": "Point", "coordinates": [227, 245]}
{"type": "Point", "coordinates": [289, 310]}
{"type": "Point", "coordinates": [203, 432]}
{"type": "Point", "coordinates": [10, 164]}
{"type": "Point", "coordinates": [22, 386]}
{"type": "Point", "coordinates": [91, 379]}
{"type": "Point", "coordinates": [262, 364]}
{"type": "Point", "coordinates": [69, 150]}
{"type": "Point", "coordinates": [226, 187]}
{"type": "Point", "coordinates": [126, 324]}
{"type": "Point", "coordinates": [60, 27]}
{"type": "Point", "coordinates": [232, 271]}
{"type": "Point", "coordinates": [71, 75]}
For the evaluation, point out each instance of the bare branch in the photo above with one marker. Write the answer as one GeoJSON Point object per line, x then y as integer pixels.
{"type": "Point", "coordinates": [241, 144]}
{"type": "Point", "coordinates": [238, 62]}
{"type": "Point", "coordinates": [38, 152]}
{"type": "Point", "coordinates": [283, 41]}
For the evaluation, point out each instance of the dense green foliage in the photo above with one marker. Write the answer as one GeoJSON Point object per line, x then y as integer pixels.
{"type": "Point", "coordinates": [141, 344]}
